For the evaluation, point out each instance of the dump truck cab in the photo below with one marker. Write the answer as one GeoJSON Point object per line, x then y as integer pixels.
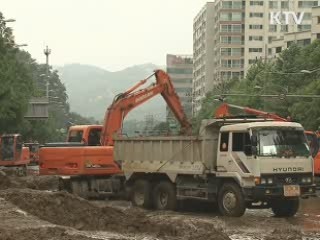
{"type": "Point", "coordinates": [268, 159]}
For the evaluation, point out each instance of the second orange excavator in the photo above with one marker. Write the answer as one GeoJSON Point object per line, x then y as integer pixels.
{"type": "Point", "coordinates": [86, 164]}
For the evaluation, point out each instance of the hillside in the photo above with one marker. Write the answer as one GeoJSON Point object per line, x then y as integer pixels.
{"type": "Point", "coordinates": [91, 89]}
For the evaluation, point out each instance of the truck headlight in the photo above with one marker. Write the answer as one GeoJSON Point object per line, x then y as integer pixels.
{"type": "Point", "coordinates": [263, 181]}
{"type": "Point", "coordinates": [270, 181]}
{"type": "Point", "coordinates": [306, 180]}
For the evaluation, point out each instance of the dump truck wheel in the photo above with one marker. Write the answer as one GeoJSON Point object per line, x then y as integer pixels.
{"type": "Point", "coordinates": [164, 196]}
{"type": "Point", "coordinates": [285, 207]}
{"type": "Point", "coordinates": [231, 201]}
{"type": "Point", "coordinates": [141, 194]}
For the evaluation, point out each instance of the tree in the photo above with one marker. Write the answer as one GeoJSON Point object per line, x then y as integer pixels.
{"type": "Point", "coordinates": [15, 81]}
{"type": "Point", "coordinates": [275, 78]}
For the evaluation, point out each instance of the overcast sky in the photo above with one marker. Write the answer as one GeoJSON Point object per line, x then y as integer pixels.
{"type": "Point", "coordinates": [112, 34]}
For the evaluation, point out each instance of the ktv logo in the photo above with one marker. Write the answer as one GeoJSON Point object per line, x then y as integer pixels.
{"type": "Point", "coordinates": [278, 17]}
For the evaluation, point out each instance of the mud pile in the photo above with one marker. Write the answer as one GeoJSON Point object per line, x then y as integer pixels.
{"type": "Point", "coordinates": [68, 210]}
{"type": "Point", "coordinates": [285, 234]}
{"type": "Point", "coordinates": [52, 233]}
{"type": "Point", "coordinates": [33, 182]}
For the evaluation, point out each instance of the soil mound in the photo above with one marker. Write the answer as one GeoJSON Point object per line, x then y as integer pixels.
{"type": "Point", "coordinates": [52, 233]}
{"type": "Point", "coordinates": [286, 234]}
{"type": "Point", "coordinates": [33, 182]}
{"type": "Point", "coordinates": [62, 208]}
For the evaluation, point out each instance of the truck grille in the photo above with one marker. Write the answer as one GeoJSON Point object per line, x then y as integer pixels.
{"type": "Point", "coordinates": [287, 178]}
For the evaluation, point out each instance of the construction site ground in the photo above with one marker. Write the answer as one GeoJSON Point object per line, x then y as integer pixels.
{"type": "Point", "coordinates": [32, 208]}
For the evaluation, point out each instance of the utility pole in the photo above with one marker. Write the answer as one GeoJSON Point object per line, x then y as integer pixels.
{"type": "Point", "coordinates": [47, 52]}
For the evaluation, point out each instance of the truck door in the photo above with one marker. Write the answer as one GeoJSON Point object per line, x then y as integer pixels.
{"type": "Point", "coordinates": [242, 150]}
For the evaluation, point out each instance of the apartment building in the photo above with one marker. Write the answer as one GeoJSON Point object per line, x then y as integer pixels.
{"type": "Point", "coordinates": [180, 68]}
{"type": "Point", "coordinates": [229, 36]}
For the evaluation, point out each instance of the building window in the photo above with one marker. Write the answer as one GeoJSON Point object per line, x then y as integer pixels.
{"type": "Point", "coordinates": [232, 51]}
{"type": "Point", "coordinates": [306, 16]}
{"type": "Point", "coordinates": [256, 14]}
{"type": "Point", "coordinates": [255, 38]}
{"type": "Point", "coordinates": [273, 4]}
{"type": "Point", "coordinates": [278, 49]}
{"type": "Point", "coordinates": [231, 28]}
{"type": "Point", "coordinates": [232, 63]}
{"type": "Point", "coordinates": [257, 50]}
{"type": "Point", "coordinates": [318, 20]}
{"type": "Point", "coordinates": [256, 3]}
{"type": "Point", "coordinates": [233, 4]}
{"type": "Point", "coordinates": [231, 40]}
{"type": "Point", "coordinates": [304, 42]}
{"type": "Point", "coordinates": [289, 43]}
{"type": "Point", "coordinates": [284, 28]}
{"type": "Point", "coordinates": [272, 28]}
{"type": "Point", "coordinates": [270, 51]}
{"type": "Point", "coordinates": [305, 27]}
{"type": "Point", "coordinates": [318, 36]}
{"type": "Point", "coordinates": [285, 4]}
{"type": "Point", "coordinates": [253, 26]}
{"type": "Point", "coordinates": [234, 16]}
{"type": "Point", "coordinates": [307, 4]}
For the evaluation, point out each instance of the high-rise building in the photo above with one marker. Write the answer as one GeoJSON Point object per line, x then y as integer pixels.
{"type": "Point", "coordinates": [180, 68]}
{"type": "Point", "coordinates": [229, 36]}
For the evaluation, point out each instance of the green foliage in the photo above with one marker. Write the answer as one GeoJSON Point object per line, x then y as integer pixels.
{"type": "Point", "coordinates": [276, 78]}
{"type": "Point", "coordinates": [15, 81]}
{"type": "Point", "coordinates": [22, 78]}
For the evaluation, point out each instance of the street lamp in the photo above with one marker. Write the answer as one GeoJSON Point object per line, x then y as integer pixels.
{"type": "Point", "coordinates": [9, 20]}
{"type": "Point", "coordinates": [21, 45]}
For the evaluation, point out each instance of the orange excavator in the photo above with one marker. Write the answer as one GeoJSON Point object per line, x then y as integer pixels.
{"type": "Point", "coordinates": [223, 111]}
{"type": "Point", "coordinates": [13, 156]}
{"type": "Point", "coordinates": [85, 164]}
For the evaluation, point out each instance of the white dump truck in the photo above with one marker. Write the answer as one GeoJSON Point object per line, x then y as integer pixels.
{"type": "Point", "coordinates": [237, 163]}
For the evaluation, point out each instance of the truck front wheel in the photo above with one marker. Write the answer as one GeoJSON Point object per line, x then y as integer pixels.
{"type": "Point", "coordinates": [164, 196]}
{"type": "Point", "coordinates": [231, 200]}
{"type": "Point", "coordinates": [285, 207]}
{"type": "Point", "coordinates": [141, 194]}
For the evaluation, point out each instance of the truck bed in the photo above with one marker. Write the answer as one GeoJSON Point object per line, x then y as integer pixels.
{"type": "Point", "coordinates": [178, 154]}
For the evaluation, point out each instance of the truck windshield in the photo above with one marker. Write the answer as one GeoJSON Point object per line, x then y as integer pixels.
{"type": "Point", "coordinates": [282, 143]}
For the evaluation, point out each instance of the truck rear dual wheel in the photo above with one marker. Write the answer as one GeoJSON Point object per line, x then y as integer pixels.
{"type": "Point", "coordinates": [231, 201]}
{"type": "Point", "coordinates": [164, 196]}
{"type": "Point", "coordinates": [141, 194]}
{"type": "Point", "coordinates": [285, 207]}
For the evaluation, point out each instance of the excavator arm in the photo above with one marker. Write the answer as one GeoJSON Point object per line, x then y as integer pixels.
{"type": "Point", "coordinates": [125, 102]}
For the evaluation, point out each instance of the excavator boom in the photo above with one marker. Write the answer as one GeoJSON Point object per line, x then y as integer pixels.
{"type": "Point", "coordinates": [125, 102]}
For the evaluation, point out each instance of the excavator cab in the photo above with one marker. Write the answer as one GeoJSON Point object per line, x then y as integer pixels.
{"type": "Point", "coordinates": [11, 147]}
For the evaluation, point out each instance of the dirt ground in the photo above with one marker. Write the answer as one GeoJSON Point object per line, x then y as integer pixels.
{"type": "Point", "coordinates": [30, 208]}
